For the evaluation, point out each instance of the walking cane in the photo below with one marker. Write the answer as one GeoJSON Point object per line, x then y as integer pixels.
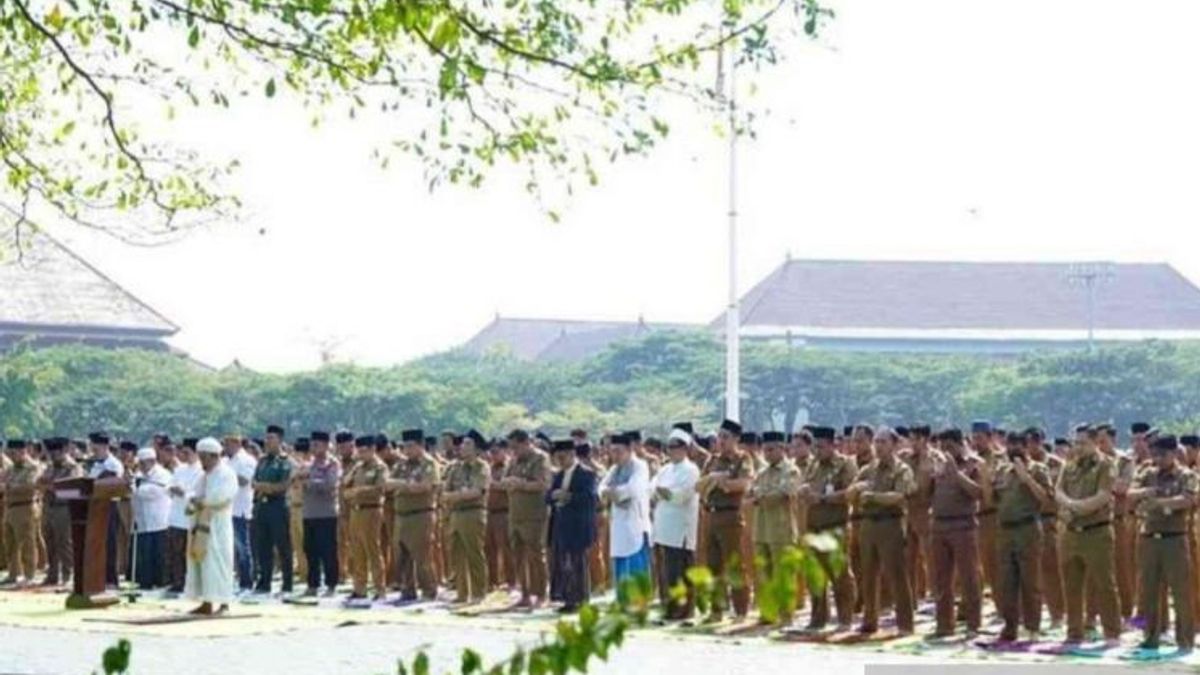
{"type": "Point", "coordinates": [133, 593]}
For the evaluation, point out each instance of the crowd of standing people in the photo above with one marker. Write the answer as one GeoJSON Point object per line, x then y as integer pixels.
{"type": "Point", "coordinates": [1073, 529]}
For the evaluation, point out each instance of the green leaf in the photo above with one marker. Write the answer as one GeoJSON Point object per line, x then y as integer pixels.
{"type": "Point", "coordinates": [55, 19]}
{"type": "Point", "coordinates": [421, 664]}
{"type": "Point", "coordinates": [471, 661]}
{"type": "Point", "coordinates": [194, 37]}
{"type": "Point", "coordinates": [446, 34]}
{"type": "Point", "coordinates": [271, 88]}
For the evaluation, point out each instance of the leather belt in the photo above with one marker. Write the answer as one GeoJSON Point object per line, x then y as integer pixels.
{"type": "Point", "coordinates": [855, 517]}
{"type": "Point", "coordinates": [950, 518]}
{"type": "Point", "coordinates": [1020, 522]}
{"type": "Point", "coordinates": [723, 509]}
{"type": "Point", "coordinates": [1163, 535]}
{"type": "Point", "coordinates": [271, 499]}
{"type": "Point", "coordinates": [365, 507]}
{"type": "Point", "coordinates": [415, 512]}
{"type": "Point", "coordinates": [27, 502]}
{"type": "Point", "coordinates": [829, 526]}
{"type": "Point", "coordinates": [986, 512]}
{"type": "Point", "coordinates": [477, 507]}
{"type": "Point", "coordinates": [877, 517]}
{"type": "Point", "coordinates": [1085, 528]}
{"type": "Point", "coordinates": [497, 510]}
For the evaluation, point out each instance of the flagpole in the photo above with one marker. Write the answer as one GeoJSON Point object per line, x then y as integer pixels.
{"type": "Point", "coordinates": [732, 313]}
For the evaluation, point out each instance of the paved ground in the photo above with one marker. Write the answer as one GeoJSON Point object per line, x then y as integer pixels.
{"type": "Point", "coordinates": [38, 636]}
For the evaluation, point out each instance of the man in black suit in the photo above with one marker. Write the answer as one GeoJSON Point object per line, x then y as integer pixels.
{"type": "Point", "coordinates": [572, 498]}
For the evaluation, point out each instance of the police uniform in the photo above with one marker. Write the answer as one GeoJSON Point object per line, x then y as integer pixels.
{"type": "Point", "coordinates": [366, 482]}
{"type": "Point", "coordinates": [527, 520]}
{"type": "Point", "coordinates": [823, 478]}
{"type": "Point", "coordinates": [726, 524]}
{"type": "Point", "coordinates": [1019, 542]}
{"type": "Point", "coordinates": [1087, 546]}
{"type": "Point", "coordinates": [882, 542]}
{"type": "Point", "coordinates": [1051, 570]}
{"type": "Point", "coordinates": [775, 529]}
{"type": "Point", "coordinates": [414, 527]}
{"type": "Point", "coordinates": [1164, 558]}
{"type": "Point", "coordinates": [468, 527]}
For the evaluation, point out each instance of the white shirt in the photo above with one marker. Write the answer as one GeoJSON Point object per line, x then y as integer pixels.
{"type": "Point", "coordinates": [629, 512]}
{"type": "Point", "coordinates": [110, 464]}
{"type": "Point", "coordinates": [185, 478]}
{"type": "Point", "coordinates": [243, 465]}
{"type": "Point", "coordinates": [151, 503]}
{"type": "Point", "coordinates": [677, 518]}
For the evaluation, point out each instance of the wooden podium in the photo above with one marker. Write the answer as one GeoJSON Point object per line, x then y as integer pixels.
{"type": "Point", "coordinates": [89, 501]}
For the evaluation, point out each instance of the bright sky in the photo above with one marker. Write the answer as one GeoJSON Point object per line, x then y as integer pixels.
{"type": "Point", "coordinates": [927, 129]}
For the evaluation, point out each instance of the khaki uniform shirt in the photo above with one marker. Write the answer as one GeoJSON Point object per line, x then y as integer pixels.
{"type": "Point", "coordinates": [1083, 478]}
{"type": "Point", "coordinates": [423, 469]}
{"type": "Point", "coordinates": [737, 466]}
{"type": "Point", "coordinates": [825, 477]}
{"type": "Point", "coordinates": [953, 507]}
{"type": "Point", "coordinates": [892, 476]}
{"type": "Point", "coordinates": [1178, 482]}
{"type": "Point", "coordinates": [68, 469]}
{"type": "Point", "coordinates": [1014, 501]}
{"type": "Point", "coordinates": [371, 474]}
{"type": "Point", "coordinates": [523, 505]}
{"type": "Point", "coordinates": [20, 484]}
{"type": "Point", "coordinates": [920, 499]}
{"type": "Point", "coordinates": [497, 500]}
{"type": "Point", "coordinates": [468, 475]}
{"type": "Point", "coordinates": [774, 490]}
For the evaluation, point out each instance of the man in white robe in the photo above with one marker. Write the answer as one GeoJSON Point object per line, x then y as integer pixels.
{"type": "Point", "coordinates": [676, 518]}
{"type": "Point", "coordinates": [627, 489]}
{"type": "Point", "coordinates": [210, 553]}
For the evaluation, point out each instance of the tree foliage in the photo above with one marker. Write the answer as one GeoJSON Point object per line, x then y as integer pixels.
{"type": "Point", "coordinates": [646, 384]}
{"type": "Point", "coordinates": [557, 89]}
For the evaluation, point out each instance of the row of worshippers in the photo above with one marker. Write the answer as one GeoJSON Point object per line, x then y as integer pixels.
{"type": "Point", "coordinates": [914, 510]}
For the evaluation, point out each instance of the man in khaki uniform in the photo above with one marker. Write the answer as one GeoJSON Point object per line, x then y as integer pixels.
{"type": "Point", "coordinates": [1164, 495]}
{"type": "Point", "coordinates": [881, 489]}
{"type": "Point", "coordinates": [363, 488]}
{"type": "Point", "coordinates": [344, 441]}
{"type": "Point", "coordinates": [722, 485]}
{"type": "Point", "coordinates": [1124, 528]}
{"type": "Point", "coordinates": [826, 484]}
{"type": "Point", "coordinates": [465, 496]}
{"type": "Point", "coordinates": [56, 518]}
{"type": "Point", "coordinates": [955, 504]}
{"type": "Point", "coordinates": [526, 481]}
{"type": "Point", "coordinates": [499, 554]}
{"type": "Point", "coordinates": [1020, 489]}
{"type": "Point", "coordinates": [1137, 457]}
{"type": "Point", "coordinates": [414, 483]}
{"type": "Point", "coordinates": [983, 445]}
{"type": "Point", "coordinates": [21, 513]}
{"type": "Point", "coordinates": [919, 547]}
{"type": "Point", "coordinates": [5, 467]}
{"type": "Point", "coordinates": [772, 495]}
{"type": "Point", "coordinates": [1084, 495]}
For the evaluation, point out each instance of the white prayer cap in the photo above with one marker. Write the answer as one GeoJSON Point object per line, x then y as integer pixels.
{"type": "Point", "coordinates": [145, 454]}
{"type": "Point", "coordinates": [208, 445]}
{"type": "Point", "coordinates": [680, 435]}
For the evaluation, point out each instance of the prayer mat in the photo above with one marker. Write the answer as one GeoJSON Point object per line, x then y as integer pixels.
{"type": "Point", "coordinates": [163, 619]}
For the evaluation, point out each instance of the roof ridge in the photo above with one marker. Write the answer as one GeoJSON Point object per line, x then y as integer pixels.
{"type": "Point", "coordinates": [927, 261]}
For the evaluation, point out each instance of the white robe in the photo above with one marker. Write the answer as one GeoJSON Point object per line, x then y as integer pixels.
{"type": "Point", "coordinates": [211, 580]}
{"type": "Point", "coordinates": [629, 519]}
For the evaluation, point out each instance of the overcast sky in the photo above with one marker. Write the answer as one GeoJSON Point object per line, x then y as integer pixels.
{"type": "Point", "coordinates": [927, 129]}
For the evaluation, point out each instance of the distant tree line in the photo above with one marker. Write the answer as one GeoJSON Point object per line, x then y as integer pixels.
{"type": "Point", "coordinates": [648, 384]}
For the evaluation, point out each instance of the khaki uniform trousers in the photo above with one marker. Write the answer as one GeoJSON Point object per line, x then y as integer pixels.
{"type": "Point", "coordinates": [770, 553]}
{"type": "Point", "coordinates": [366, 555]}
{"type": "Point", "coordinates": [1018, 591]}
{"type": "Point", "coordinates": [20, 525]}
{"type": "Point", "coordinates": [300, 561]}
{"type": "Point", "coordinates": [884, 559]}
{"type": "Point", "coordinates": [3, 536]}
{"type": "Point", "coordinates": [528, 540]}
{"type": "Point", "coordinates": [843, 587]}
{"type": "Point", "coordinates": [414, 554]}
{"type": "Point", "coordinates": [724, 556]}
{"type": "Point", "coordinates": [499, 553]}
{"type": "Point", "coordinates": [956, 557]}
{"type": "Point", "coordinates": [598, 554]}
{"type": "Point", "coordinates": [467, 536]}
{"type": "Point", "coordinates": [1124, 534]}
{"type": "Point", "coordinates": [988, 526]}
{"type": "Point", "coordinates": [1165, 561]}
{"type": "Point", "coordinates": [56, 531]}
{"type": "Point", "coordinates": [343, 541]}
{"type": "Point", "coordinates": [919, 552]}
{"type": "Point", "coordinates": [1051, 569]}
{"type": "Point", "coordinates": [1087, 563]}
